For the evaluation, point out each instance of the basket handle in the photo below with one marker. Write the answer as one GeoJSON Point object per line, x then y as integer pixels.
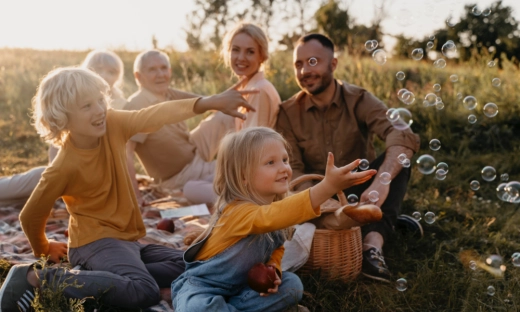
{"type": "Point", "coordinates": [313, 176]}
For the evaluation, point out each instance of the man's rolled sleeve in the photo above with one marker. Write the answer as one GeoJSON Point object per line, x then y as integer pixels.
{"type": "Point", "coordinates": [404, 138]}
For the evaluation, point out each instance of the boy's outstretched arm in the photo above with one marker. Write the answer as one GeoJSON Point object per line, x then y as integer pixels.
{"type": "Point", "coordinates": [337, 179]}
{"type": "Point", "coordinates": [227, 102]}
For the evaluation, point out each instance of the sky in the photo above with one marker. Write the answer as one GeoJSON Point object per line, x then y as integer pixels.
{"type": "Point", "coordinates": [130, 24]}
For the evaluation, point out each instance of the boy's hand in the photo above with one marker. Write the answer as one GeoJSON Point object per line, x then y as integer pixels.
{"type": "Point", "coordinates": [274, 290]}
{"type": "Point", "coordinates": [227, 102]}
{"type": "Point", "coordinates": [337, 179]}
{"type": "Point", "coordinates": [57, 251]}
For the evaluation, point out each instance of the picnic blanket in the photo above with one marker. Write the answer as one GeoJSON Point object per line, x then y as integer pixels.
{"type": "Point", "coordinates": [15, 248]}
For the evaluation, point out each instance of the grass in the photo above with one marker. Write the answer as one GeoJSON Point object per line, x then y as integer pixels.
{"type": "Point", "coordinates": [468, 222]}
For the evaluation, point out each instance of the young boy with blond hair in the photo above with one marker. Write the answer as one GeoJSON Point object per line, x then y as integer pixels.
{"type": "Point", "coordinates": [90, 175]}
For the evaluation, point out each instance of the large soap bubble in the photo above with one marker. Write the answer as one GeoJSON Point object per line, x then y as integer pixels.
{"type": "Point", "coordinates": [470, 102]}
{"type": "Point", "coordinates": [490, 110]}
{"type": "Point", "coordinates": [449, 49]}
{"type": "Point", "coordinates": [426, 164]}
{"type": "Point", "coordinates": [379, 56]}
{"type": "Point", "coordinates": [405, 119]}
{"type": "Point", "coordinates": [417, 54]}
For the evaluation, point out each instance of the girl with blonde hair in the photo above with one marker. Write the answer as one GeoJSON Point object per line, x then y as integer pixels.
{"type": "Point", "coordinates": [249, 226]}
{"type": "Point", "coordinates": [245, 50]}
{"type": "Point", "coordinates": [109, 66]}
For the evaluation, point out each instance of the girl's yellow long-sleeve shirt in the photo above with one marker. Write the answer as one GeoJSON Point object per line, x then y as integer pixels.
{"type": "Point", "coordinates": [240, 219]}
{"type": "Point", "coordinates": [94, 183]}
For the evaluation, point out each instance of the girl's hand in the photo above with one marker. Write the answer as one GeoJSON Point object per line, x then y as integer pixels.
{"type": "Point", "coordinates": [337, 179]}
{"type": "Point", "coordinates": [57, 251]}
{"type": "Point", "coordinates": [274, 290]}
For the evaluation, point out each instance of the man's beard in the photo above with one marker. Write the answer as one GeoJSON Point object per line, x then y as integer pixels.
{"type": "Point", "coordinates": [326, 80]}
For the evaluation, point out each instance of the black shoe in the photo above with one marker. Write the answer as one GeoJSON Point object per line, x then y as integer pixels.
{"type": "Point", "coordinates": [408, 224]}
{"type": "Point", "coordinates": [374, 265]}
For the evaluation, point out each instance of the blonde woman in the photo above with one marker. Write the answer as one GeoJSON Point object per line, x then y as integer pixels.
{"type": "Point", "coordinates": [245, 50]}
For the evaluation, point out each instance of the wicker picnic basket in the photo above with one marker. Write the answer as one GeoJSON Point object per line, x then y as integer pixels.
{"type": "Point", "coordinates": [337, 253]}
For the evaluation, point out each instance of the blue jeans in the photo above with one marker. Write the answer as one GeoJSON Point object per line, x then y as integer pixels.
{"type": "Point", "coordinates": [126, 274]}
{"type": "Point", "coordinates": [220, 283]}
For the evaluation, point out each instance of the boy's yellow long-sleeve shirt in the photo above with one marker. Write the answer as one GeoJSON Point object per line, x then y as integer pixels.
{"type": "Point", "coordinates": [240, 219]}
{"type": "Point", "coordinates": [94, 183]}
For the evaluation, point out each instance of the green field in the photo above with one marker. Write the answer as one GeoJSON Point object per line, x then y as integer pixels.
{"type": "Point", "coordinates": [467, 220]}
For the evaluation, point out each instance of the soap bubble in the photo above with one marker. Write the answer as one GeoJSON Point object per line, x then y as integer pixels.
{"type": "Point", "coordinates": [379, 56]}
{"type": "Point", "coordinates": [430, 99]}
{"type": "Point", "coordinates": [417, 215]}
{"type": "Point", "coordinates": [470, 102]}
{"type": "Point", "coordinates": [400, 75]}
{"type": "Point", "coordinates": [494, 261]}
{"type": "Point", "coordinates": [490, 110]}
{"type": "Point", "coordinates": [435, 145]}
{"type": "Point", "coordinates": [439, 105]}
{"type": "Point", "coordinates": [450, 21]}
{"type": "Point", "coordinates": [406, 163]}
{"type": "Point", "coordinates": [401, 284]}
{"type": "Point", "coordinates": [486, 12]}
{"type": "Point", "coordinates": [476, 11]}
{"type": "Point", "coordinates": [443, 166]}
{"type": "Point", "coordinates": [408, 98]}
{"type": "Point", "coordinates": [513, 192]}
{"type": "Point", "coordinates": [496, 82]}
{"type": "Point", "coordinates": [371, 45]}
{"type": "Point", "coordinates": [501, 192]}
{"type": "Point", "coordinates": [454, 78]}
{"type": "Point", "coordinates": [405, 119]}
{"type": "Point", "coordinates": [437, 87]}
{"type": "Point", "coordinates": [432, 37]}
{"type": "Point", "coordinates": [459, 96]}
{"type": "Point", "coordinates": [488, 173]}
{"type": "Point", "coordinates": [472, 119]}
{"type": "Point", "coordinates": [373, 196]}
{"type": "Point", "coordinates": [429, 45]}
{"type": "Point", "coordinates": [417, 54]}
{"type": "Point", "coordinates": [515, 258]}
{"type": "Point", "coordinates": [364, 164]}
{"type": "Point", "coordinates": [392, 115]}
{"type": "Point", "coordinates": [474, 185]}
{"type": "Point", "coordinates": [449, 49]}
{"type": "Point", "coordinates": [473, 265]}
{"type": "Point", "coordinates": [440, 174]}
{"type": "Point", "coordinates": [426, 164]}
{"type": "Point", "coordinates": [491, 290]}
{"type": "Point", "coordinates": [429, 217]}
{"type": "Point", "coordinates": [385, 178]}
{"type": "Point", "coordinates": [401, 158]}
{"type": "Point", "coordinates": [491, 64]}
{"type": "Point", "coordinates": [352, 200]}
{"type": "Point", "coordinates": [504, 177]}
{"type": "Point", "coordinates": [440, 63]}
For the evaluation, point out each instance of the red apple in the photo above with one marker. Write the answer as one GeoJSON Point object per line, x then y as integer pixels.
{"type": "Point", "coordinates": [261, 277]}
{"type": "Point", "coordinates": [166, 224]}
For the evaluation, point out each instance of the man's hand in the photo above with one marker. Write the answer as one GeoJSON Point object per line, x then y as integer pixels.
{"type": "Point", "coordinates": [227, 102]}
{"type": "Point", "coordinates": [57, 251]}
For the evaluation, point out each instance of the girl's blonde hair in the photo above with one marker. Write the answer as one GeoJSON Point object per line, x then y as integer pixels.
{"type": "Point", "coordinates": [238, 156]}
{"type": "Point", "coordinates": [252, 31]}
{"type": "Point", "coordinates": [59, 90]}
{"type": "Point", "coordinates": [108, 59]}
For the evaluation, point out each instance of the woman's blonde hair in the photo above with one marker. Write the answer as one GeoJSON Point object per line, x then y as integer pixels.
{"type": "Point", "coordinates": [108, 59]}
{"type": "Point", "coordinates": [59, 90]}
{"type": "Point", "coordinates": [238, 156]}
{"type": "Point", "coordinates": [252, 31]}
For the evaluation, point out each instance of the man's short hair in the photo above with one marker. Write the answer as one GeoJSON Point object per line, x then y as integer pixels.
{"type": "Point", "coordinates": [324, 40]}
{"type": "Point", "coordinates": [141, 57]}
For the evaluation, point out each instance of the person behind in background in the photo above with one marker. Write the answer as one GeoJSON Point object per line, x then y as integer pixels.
{"type": "Point", "coordinates": [245, 51]}
{"type": "Point", "coordinates": [90, 175]}
{"type": "Point", "coordinates": [250, 225]}
{"type": "Point", "coordinates": [16, 189]}
{"type": "Point", "coordinates": [110, 67]}
{"type": "Point", "coordinates": [173, 155]}
{"type": "Point", "coordinates": [329, 115]}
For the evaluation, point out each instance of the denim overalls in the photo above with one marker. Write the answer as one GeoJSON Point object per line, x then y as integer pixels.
{"type": "Point", "coordinates": [220, 283]}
